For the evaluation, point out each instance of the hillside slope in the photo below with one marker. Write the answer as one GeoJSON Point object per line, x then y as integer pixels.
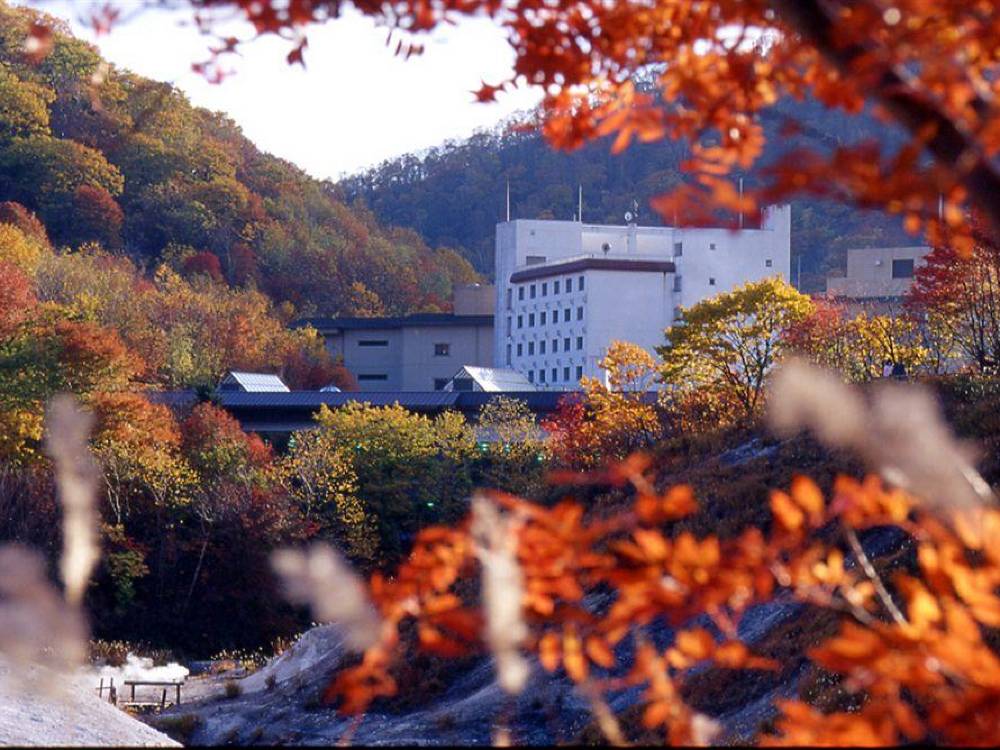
{"type": "Point", "coordinates": [106, 156]}
{"type": "Point", "coordinates": [76, 717]}
{"type": "Point", "coordinates": [455, 194]}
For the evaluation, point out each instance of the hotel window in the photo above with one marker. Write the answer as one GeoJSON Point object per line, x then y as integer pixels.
{"type": "Point", "coordinates": [566, 315]}
{"type": "Point", "coordinates": [541, 318]}
{"type": "Point", "coordinates": [541, 376]}
{"type": "Point", "coordinates": [531, 348]}
{"type": "Point", "coordinates": [555, 286]}
{"type": "Point", "coordinates": [768, 263]}
{"type": "Point", "coordinates": [532, 291]}
{"type": "Point", "coordinates": [442, 350]}
{"type": "Point", "coordinates": [520, 350]}
{"type": "Point", "coordinates": [440, 383]}
{"type": "Point", "coordinates": [566, 374]}
{"type": "Point", "coordinates": [541, 347]}
{"type": "Point", "coordinates": [555, 346]}
{"type": "Point", "coordinates": [531, 376]}
{"type": "Point", "coordinates": [579, 283]}
{"type": "Point", "coordinates": [510, 295]}
{"type": "Point", "coordinates": [508, 325]}
{"type": "Point", "coordinates": [579, 372]}
{"type": "Point", "coordinates": [677, 283]}
{"type": "Point", "coordinates": [531, 320]}
{"type": "Point", "coordinates": [711, 246]}
{"type": "Point", "coordinates": [678, 249]}
{"type": "Point", "coordinates": [569, 285]}
{"type": "Point", "coordinates": [902, 269]}
{"type": "Point", "coordinates": [579, 342]}
{"type": "Point", "coordinates": [711, 281]}
{"type": "Point", "coordinates": [579, 313]}
{"type": "Point", "coordinates": [520, 292]}
{"type": "Point", "coordinates": [545, 288]}
{"type": "Point", "coordinates": [370, 342]}
{"type": "Point", "coordinates": [378, 376]}
{"type": "Point", "coordinates": [555, 375]}
{"type": "Point", "coordinates": [508, 355]}
{"type": "Point", "coordinates": [520, 321]}
{"type": "Point", "coordinates": [566, 344]}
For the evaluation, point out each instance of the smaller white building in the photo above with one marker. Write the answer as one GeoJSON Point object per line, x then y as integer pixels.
{"type": "Point", "coordinates": [877, 274]}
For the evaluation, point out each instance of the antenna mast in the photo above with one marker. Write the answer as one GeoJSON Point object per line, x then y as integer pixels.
{"type": "Point", "coordinates": [741, 202]}
{"type": "Point", "coordinates": [508, 200]}
{"type": "Point", "coordinates": [579, 212]}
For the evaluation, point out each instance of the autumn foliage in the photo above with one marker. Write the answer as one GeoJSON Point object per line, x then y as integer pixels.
{"type": "Point", "coordinates": [914, 650]}
{"type": "Point", "coordinates": [720, 68]}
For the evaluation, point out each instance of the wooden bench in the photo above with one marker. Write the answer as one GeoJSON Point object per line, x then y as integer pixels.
{"type": "Point", "coordinates": [133, 684]}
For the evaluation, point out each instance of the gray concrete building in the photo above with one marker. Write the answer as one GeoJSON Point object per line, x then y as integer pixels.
{"type": "Point", "coordinates": [877, 278]}
{"type": "Point", "coordinates": [420, 352]}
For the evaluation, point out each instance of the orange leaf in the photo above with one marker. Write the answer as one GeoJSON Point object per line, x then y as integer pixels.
{"type": "Point", "coordinates": [652, 543]}
{"type": "Point", "coordinates": [549, 651]}
{"type": "Point", "coordinates": [573, 661]}
{"type": "Point", "coordinates": [655, 714]}
{"type": "Point", "coordinates": [785, 511]}
{"type": "Point", "coordinates": [600, 652]}
{"type": "Point", "coordinates": [698, 643]}
{"type": "Point", "coordinates": [808, 496]}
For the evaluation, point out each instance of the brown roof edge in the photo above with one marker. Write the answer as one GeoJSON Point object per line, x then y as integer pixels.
{"type": "Point", "coordinates": [592, 264]}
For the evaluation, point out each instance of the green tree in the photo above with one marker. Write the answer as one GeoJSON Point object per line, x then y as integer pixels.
{"type": "Point", "coordinates": [732, 340]}
{"type": "Point", "coordinates": [512, 448]}
{"type": "Point", "coordinates": [319, 474]}
{"type": "Point", "coordinates": [411, 470]}
{"type": "Point", "coordinates": [24, 107]}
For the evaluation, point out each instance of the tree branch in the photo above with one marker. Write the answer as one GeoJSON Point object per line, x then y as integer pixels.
{"type": "Point", "coordinates": [952, 147]}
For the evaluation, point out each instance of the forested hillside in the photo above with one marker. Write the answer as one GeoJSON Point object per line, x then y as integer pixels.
{"type": "Point", "coordinates": [105, 156]}
{"type": "Point", "coordinates": [455, 194]}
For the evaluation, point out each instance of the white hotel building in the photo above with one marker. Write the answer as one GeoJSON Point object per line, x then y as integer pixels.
{"type": "Point", "coordinates": [566, 290]}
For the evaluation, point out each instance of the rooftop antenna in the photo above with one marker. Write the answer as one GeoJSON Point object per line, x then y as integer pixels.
{"type": "Point", "coordinates": [579, 212]}
{"type": "Point", "coordinates": [508, 200]}
{"type": "Point", "coordinates": [741, 203]}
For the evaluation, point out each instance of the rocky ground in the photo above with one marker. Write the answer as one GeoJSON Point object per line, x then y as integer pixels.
{"type": "Point", "coordinates": [39, 709]}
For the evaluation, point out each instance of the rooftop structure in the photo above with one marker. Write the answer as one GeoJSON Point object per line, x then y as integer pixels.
{"type": "Point", "coordinates": [252, 382]}
{"type": "Point", "coordinates": [565, 290]}
{"type": "Point", "coordinates": [488, 380]}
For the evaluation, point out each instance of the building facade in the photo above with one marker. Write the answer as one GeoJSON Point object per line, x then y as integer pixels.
{"type": "Point", "coordinates": [566, 290]}
{"type": "Point", "coordinates": [415, 352]}
{"type": "Point", "coordinates": [877, 278]}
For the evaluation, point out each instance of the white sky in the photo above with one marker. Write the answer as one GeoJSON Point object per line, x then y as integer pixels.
{"type": "Point", "coordinates": [353, 105]}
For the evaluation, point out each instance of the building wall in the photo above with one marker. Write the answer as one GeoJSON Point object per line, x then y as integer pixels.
{"type": "Point", "coordinates": [473, 299]}
{"type": "Point", "coordinates": [420, 366]}
{"type": "Point", "coordinates": [365, 361]}
{"type": "Point", "coordinates": [407, 360]}
{"type": "Point", "coordinates": [594, 322]}
{"type": "Point", "coordinates": [732, 259]}
{"type": "Point", "coordinates": [870, 273]}
{"type": "Point", "coordinates": [634, 306]}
